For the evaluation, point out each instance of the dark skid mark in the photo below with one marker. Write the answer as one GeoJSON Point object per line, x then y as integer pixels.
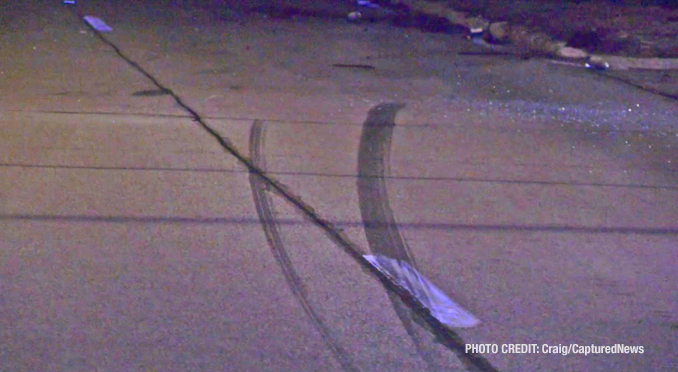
{"type": "Point", "coordinates": [151, 93]}
{"type": "Point", "coordinates": [373, 159]}
{"type": "Point", "coordinates": [382, 232]}
{"type": "Point", "coordinates": [361, 67]}
{"type": "Point", "coordinates": [264, 206]}
{"type": "Point", "coordinates": [384, 237]}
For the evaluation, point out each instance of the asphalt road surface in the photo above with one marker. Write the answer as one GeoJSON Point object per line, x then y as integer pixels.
{"type": "Point", "coordinates": [193, 191]}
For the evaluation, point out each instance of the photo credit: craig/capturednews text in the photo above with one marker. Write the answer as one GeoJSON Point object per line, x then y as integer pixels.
{"type": "Point", "coordinates": [567, 349]}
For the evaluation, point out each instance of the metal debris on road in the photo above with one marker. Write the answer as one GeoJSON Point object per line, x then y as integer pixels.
{"type": "Point", "coordinates": [437, 302]}
{"type": "Point", "coordinates": [597, 64]}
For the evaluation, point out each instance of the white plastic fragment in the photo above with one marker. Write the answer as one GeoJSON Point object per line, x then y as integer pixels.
{"type": "Point", "coordinates": [97, 24]}
{"type": "Point", "coordinates": [437, 302]}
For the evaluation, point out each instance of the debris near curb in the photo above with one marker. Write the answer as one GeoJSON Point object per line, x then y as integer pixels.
{"type": "Point", "coordinates": [542, 43]}
{"type": "Point", "coordinates": [630, 63]}
{"type": "Point", "coordinates": [523, 38]}
{"type": "Point", "coordinates": [530, 42]}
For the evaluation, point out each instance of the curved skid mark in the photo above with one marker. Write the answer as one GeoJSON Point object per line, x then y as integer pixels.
{"type": "Point", "coordinates": [381, 228]}
{"type": "Point", "coordinates": [373, 162]}
{"type": "Point", "coordinates": [264, 206]}
{"type": "Point", "coordinates": [382, 231]}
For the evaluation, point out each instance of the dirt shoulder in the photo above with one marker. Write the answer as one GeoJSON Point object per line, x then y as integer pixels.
{"type": "Point", "coordinates": [625, 30]}
{"type": "Point", "coordinates": [600, 27]}
{"type": "Point", "coordinates": [632, 43]}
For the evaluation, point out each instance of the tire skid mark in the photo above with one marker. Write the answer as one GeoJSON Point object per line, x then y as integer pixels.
{"type": "Point", "coordinates": [373, 162]}
{"type": "Point", "coordinates": [264, 206]}
{"type": "Point", "coordinates": [381, 229]}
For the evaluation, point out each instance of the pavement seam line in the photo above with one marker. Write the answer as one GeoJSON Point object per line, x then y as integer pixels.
{"type": "Point", "coordinates": [607, 131]}
{"type": "Point", "coordinates": [338, 175]}
{"type": "Point", "coordinates": [554, 229]}
{"type": "Point", "coordinates": [473, 361]}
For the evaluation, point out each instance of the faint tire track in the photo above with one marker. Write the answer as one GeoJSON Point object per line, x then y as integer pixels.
{"type": "Point", "coordinates": [381, 229]}
{"type": "Point", "coordinates": [264, 206]}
